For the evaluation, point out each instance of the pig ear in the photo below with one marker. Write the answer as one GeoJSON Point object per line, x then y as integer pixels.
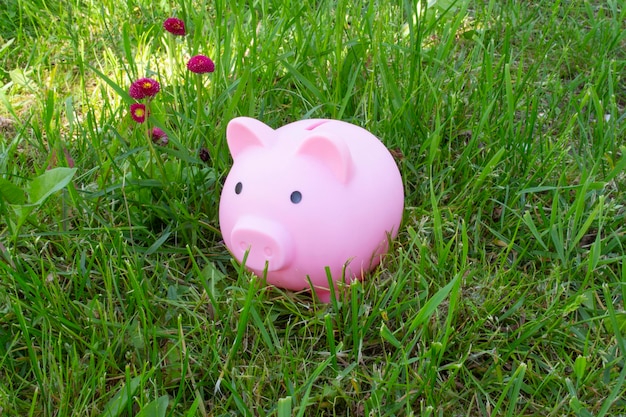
{"type": "Point", "coordinates": [245, 132]}
{"type": "Point", "coordinates": [335, 155]}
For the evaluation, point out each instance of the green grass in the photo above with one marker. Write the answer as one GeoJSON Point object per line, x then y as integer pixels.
{"type": "Point", "coordinates": [503, 294]}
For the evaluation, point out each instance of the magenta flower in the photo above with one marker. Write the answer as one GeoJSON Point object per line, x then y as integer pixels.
{"type": "Point", "coordinates": [159, 137]}
{"type": "Point", "coordinates": [144, 87]}
{"type": "Point", "coordinates": [200, 64]}
{"type": "Point", "coordinates": [174, 26]}
{"type": "Point", "coordinates": [138, 112]}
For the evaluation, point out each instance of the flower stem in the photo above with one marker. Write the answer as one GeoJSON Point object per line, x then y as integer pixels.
{"type": "Point", "coordinates": [154, 155]}
{"type": "Point", "coordinates": [174, 79]}
{"type": "Point", "coordinates": [199, 103]}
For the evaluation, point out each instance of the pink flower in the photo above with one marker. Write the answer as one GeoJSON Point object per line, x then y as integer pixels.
{"type": "Point", "coordinates": [159, 136]}
{"type": "Point", "coordinates": [174, 26]}
{"type": "Point", "coordinates": [144, 87]}
{"type": "Point", "coordinates": [200, 64]}
{"type": "Point", "coordinates": [138, 112]}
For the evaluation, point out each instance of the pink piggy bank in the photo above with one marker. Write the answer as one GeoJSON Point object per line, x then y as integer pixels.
{"type": "Point", "coordinates": [310, 195]}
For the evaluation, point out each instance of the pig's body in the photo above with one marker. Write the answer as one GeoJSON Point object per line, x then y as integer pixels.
{"type": "Point", "coordinates": [309, 195]}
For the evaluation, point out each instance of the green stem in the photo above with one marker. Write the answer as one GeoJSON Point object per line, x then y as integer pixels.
{"type": "Point", "coordinates": [199, 109]}
{"type": "Point", "coordinates": [199, 105]}
{"type": "Point", "coordinates": [170, 53]}
{"type": "Point", "coordinates": [153, 152]}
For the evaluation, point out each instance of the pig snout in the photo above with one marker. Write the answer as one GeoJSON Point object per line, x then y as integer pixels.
{"type": "Point", "coordinates": [264, 240]}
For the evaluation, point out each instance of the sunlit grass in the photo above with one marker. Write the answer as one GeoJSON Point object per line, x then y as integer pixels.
{"type": "Point", "coordinates": [502, 295]}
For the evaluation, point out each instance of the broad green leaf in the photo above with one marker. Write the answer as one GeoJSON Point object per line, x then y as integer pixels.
{"type": "Point", "coordinates": [11, 192]}
{"type": "Point", "coordinates": [21, 79]}
{"type": "Point", "coordinates": [156, 408]}
{"type": "Point", "coordinates": [22, 211]}
{"type": "Point", "coordinates": [48, 183]}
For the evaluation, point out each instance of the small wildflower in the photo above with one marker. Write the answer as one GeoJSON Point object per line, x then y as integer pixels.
{"type": "Point", "coordinates": [138, 112]}
{"type": "Point", "coordinates": [204, 154]}
{"type": "Point", "coordinates": [159, 137]}
{"type": "Point", "coordinates": [144, 87]}
{"type": "Point", "coordinates": [174, 26]}
{"type": "Point", "coordinates": [200, 64]}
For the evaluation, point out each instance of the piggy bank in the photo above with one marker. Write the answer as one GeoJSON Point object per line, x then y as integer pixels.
{"type": "Point", "coordinates": [311, 195]}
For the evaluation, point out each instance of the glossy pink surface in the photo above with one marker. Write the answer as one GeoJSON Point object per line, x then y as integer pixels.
{"type": "Point", "coordinates": [312, 194]}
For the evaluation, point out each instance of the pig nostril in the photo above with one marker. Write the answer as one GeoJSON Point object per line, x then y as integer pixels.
{"type": "Point", "coordinates": [244, 246]}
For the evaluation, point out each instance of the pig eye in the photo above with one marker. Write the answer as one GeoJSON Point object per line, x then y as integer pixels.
{"type": "Point", "coordinates": [296, 197]}
{"type": "Point", "coordinates": [238, 188]}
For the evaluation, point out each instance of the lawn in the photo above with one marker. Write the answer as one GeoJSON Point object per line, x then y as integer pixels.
{"type": "Point", "coordinates": [503, 294]}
